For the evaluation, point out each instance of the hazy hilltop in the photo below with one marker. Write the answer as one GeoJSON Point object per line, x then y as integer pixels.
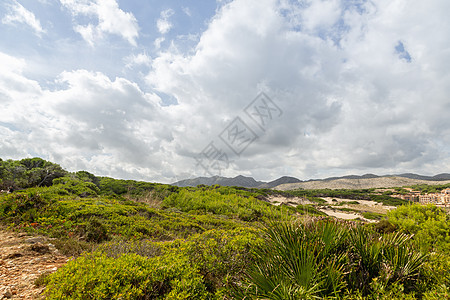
{"type": "Point", "coordinates": [364, 183]}
{"type": "Point", "coordinates": [345, 182]}
{"type": "Point", "coordinates": [279, 181]}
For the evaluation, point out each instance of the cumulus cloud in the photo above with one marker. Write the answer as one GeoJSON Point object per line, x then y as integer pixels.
{"type": "Point", "coordinates": [13, 85]}
{"type": "Point", "coordinates": [362, 88]}
{"type": "Point", "coordinates": [110, 20]}
{"type": "Point", "coordinates": [89, 121]}
{"type": "Point", "coordinates": [141, 59]}
{"type": "Point", "coordinates": [363, 106]}
{"type": "Point", "coordinates": [19, 14]}
{"type": "Point", "coordinates": [163, 23]}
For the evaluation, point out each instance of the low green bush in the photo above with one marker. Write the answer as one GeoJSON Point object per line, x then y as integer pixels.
{"type": "Point", "coordinates": [206, 200]}
{"type": "Point", "coordinates": [308, 209]}
{"type": "Point", "coordinates": [429, 224]}
{"type": "Point", "coordinates": [324, 258]}
{"type": "Point", "coordinates": [129, 276]}
{"type": "Point", "coordinates": [372, 215]}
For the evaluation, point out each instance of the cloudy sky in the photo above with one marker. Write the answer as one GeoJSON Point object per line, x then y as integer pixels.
{"type": "Point", "coordinates": [167, 90]}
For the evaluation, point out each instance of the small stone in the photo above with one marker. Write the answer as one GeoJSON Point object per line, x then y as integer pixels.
{"type": "Point", "coordinates": [40, 248]}
{"type": "Point", "coordinates": [35, 240]}
{"type": "Point", "coordinates": [14, 255]}
{"type": "Point", "coordinates": [7, 294]}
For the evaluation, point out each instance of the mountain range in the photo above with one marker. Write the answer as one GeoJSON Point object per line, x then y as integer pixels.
{"type": "Point", "coordinates": [349, 181]}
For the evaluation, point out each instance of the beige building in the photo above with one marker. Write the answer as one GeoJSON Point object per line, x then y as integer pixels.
{"type": "Point", "coordinates": [436, 198]}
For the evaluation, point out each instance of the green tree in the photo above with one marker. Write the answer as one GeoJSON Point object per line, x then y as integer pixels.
{"type": "Point", "coordinates": [430, 225]}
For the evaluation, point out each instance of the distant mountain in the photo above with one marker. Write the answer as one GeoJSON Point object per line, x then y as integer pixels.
{"type": "Point", "coordinates": [281, 180]}
{"type": "Point", "coordinates": [443, 176]}
{"type": "Point", "coordinates": [349, 181]}
{"type": "Point", "coordinates": [224, 181]}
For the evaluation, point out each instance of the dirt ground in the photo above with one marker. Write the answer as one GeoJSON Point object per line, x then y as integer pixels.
{"type": "Point", "coordinates": [22, 259]}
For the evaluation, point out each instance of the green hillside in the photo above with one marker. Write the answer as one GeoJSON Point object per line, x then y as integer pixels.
{"type": "Point", "coordinates": [140, 240]}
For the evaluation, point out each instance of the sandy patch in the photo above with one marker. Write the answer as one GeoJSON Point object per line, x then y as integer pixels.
{"type": "Point", "coordinates": [364, 205]}
{"type": "Point", "coordinates": [341, 215]}
{"type": "Point", "coordinates": [291, 201]}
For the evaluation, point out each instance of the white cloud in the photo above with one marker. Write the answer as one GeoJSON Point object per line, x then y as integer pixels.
{"type": "Point", "coordinates": [158, 41]}
{"type": "Point", "coordinates": [163, 23]}
{"type": "Point", "coordinates": [345, 85]}
{"type": "Point", "coordinates": [89, 122]}
{"type": "Point", "coordinates": [350, 103]}
{"type": "Point", "coordinates": [321, 14]}
{"type": "Point", "coordinates": [187, 11]}
{"type": "Point", "coordinates": [142, 59]}
{"type": "Point", "coordinates": [110, 20]}
{"type": "Point", "coordinates": [19, 14]}
{"type": "Point", "coordinates": [13, 85]}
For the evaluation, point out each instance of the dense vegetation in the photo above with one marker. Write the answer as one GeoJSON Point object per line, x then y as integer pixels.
{"type": "Point", "coordinates": [426, 189]}
{"type": "Point", "coordinates": [28, 172]}
{"type": "Point", "coordinates": [139, 240]}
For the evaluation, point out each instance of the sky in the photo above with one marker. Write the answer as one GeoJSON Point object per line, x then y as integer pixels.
{"type": "Point", "coordinates": [168, 90]}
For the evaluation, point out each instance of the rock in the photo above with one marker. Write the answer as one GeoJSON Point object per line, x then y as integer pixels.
{"type": "Point", "coordinates": [7, 294]}
{"type": "Point", "coordinates": [40, 248]}
{"type": "Point", "coordinates": [33, 240]}
{"type": "Point", "coordinates": [14, 255]}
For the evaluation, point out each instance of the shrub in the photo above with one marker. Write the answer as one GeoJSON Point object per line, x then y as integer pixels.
{"type": "Point", "coordinates": [130, 276]}
{"type": "Point", "coordinates": [96, 231]}
{"type": "Point", "coordinates": [298, 262]}
{"type": "Point", "coordinates": [429, 224]}
{"type": "Point", "coordinates": [384, 226]}
{"type": "Point", "coordinates": [372, 215]}
{"type": "Point", "coordinates": [73, 185]}
{"type": "Point", "coordinates": [222, 256]}
{"type": "Point", "coordinates": [23, 206]}
{"type": "Point", "coordinates": [323, 258]}
{"type": "Point", "coordinates": [72, 246]}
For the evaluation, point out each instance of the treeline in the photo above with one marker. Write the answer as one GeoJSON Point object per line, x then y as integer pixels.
{"type": "Point", "coordinates": [28, 172]}
{"type": "Point", "coordinates": [21, 174]}
{"type": "Point", "coordinates": [427, 189]}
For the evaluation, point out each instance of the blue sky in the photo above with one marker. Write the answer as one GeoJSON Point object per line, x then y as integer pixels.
{"type": "Point", "coordinates": [151, 89]}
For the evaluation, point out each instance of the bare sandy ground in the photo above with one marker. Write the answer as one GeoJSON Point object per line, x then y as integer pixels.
{"type": "Point", "coordinates": [341, 215]}
{"type": "Point", "coordinates": [364, 205]}
{"type": "Point", "coordinates": [293, 201]}
{"type": "Point", "coordinates": [22, 259]}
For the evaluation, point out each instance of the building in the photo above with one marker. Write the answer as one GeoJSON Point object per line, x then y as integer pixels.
{"type": "Point", "coordinates": [436, 198]}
